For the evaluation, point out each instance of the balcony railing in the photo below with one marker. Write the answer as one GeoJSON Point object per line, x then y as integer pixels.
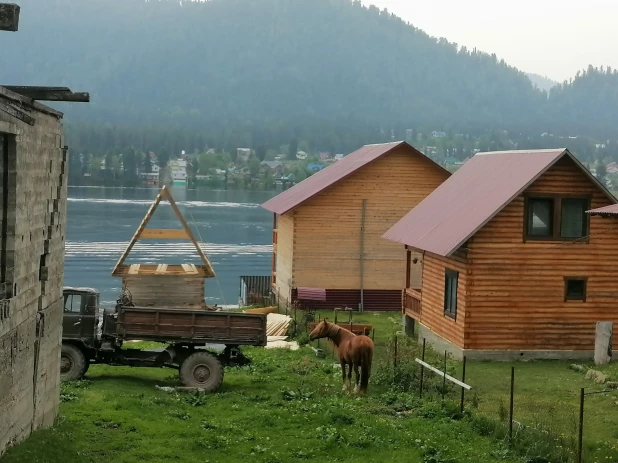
{"type": "Point", "coordinates": [412, 303]}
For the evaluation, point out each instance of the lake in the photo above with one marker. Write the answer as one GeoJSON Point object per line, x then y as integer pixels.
{"type": "Point", "coordinates": [236, 234]}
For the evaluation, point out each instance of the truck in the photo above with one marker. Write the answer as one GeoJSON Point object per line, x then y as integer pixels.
{"type": "Point", "coordinates": [198, 343]}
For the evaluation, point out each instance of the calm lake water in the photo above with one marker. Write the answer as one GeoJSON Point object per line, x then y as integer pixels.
{"type": "Point", "coordinates": [235, 232]}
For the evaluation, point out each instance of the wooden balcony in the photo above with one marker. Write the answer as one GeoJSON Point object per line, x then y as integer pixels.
{"type": "Point", "coordinates": [412, 303]}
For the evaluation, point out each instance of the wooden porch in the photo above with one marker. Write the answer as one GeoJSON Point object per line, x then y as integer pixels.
{"type": "Point", "coordinates": [411, 303]}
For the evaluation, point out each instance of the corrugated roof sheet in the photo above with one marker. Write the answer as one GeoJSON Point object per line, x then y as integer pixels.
{"type": "Point", "coordinates": [607, 210]}
{"type": "Point", "coordinates": [332, 174]}
{"type": "Point", "coordinates": [471, 197]}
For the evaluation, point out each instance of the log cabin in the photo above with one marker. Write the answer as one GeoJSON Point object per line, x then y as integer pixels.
{"type": "Point", "coordinates": [327, 229]}
{"type": "Point", "coordinates": [513, 263]}
{"type": "Point", "coordinates": [162, 285]}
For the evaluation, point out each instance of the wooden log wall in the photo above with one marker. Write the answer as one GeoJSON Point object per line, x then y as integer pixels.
{"type": "Point", "coordinates": [516, 289]}
{"type": "Point", "coordinates": [432, 305]}
{"type": "Point", "coordinates": [284, 254]}
{"type": "Point", "coordinates": [166, 291]}
{"type": "Point", "coordinates": [327, 228]}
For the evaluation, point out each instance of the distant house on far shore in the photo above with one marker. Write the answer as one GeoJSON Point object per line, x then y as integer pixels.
{"type": "Point", "coordinates": [339, 157]}
{"type": "Point", "coordinates": [274, 166]}
{"type": "Point", "coordinates": [301, 155]}
{"type": "Point", "coordinates": [243, 154]}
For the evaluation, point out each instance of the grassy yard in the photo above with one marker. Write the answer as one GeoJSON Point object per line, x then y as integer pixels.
{"type": "Point", "coordinates": [288, 406]}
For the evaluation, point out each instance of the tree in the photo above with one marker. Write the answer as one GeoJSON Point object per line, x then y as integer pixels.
{"type": "Point", "coordinates": [260, 152]}
{"type": "Point", "coordinates": [601, 172]}
{"type": "Point", "coordinates": [147, 163]}
{"type": "Point", "coordinates": [292, 149]}
{"type": "Point", "coordinates": [163, 159]}
{"type": "Point", "coordinates": [254, 166]}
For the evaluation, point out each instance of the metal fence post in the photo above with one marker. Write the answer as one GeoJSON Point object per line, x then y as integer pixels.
{"type": "Point", "coordinates": [511, 405]}
{"type": "Point", "coordinates": [580, 443]}
{"type": "Point", "coordinates": [463, 380]}
{"type": "Point", "coordinates": [420, 391]}
{"type": "Point", "coordinates": [444, 378]}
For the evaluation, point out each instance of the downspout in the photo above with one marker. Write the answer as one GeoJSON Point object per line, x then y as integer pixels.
{"type": "Point", "coordinates": [362, 258]}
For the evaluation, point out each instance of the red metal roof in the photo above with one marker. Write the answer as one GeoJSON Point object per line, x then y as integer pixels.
{"type": "Point", "coordinates": [605, 211]}
{"type": "Point", "coordinates": [472, 196]}
{"type": "Point", "coordinates": [318, 182]}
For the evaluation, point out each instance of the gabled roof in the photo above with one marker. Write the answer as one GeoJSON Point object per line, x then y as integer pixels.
{"type": "Point", "coordinates": [332, 174]}
{"type": "Point", "coordinates": [472, 196]}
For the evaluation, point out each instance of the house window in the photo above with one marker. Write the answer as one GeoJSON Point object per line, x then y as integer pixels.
{"type": "Point", "coordinates": [575, 288]}
{"type": "Point", "coordinates": [559, 218]}
{"type": "Point", "coordinates": [451, 278]}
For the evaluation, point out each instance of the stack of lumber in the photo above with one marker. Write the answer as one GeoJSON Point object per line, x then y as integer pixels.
{"type": "Point", "coordinates": [277, 324]}
{"type": "Point", "coordinates": [272, 309]}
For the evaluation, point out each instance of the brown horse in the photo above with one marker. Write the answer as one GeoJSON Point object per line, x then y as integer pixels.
{"type": "Point", "coordinates": [354, 351]}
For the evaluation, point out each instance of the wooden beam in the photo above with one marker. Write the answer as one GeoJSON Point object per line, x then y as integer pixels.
{"type": "Point", "coordinates": [9, 17]}
{"type": "Point", "coordinates": [16, 113]}
{"type": "Point", "coordinates": [50, 93]}
{"type": "Point", "coordinates": [164, 234]}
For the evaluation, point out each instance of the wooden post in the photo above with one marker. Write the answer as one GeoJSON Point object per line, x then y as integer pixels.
{"type": "Point", "coordinates": [603, 343]}
{"type": "Point", "coordinates": [362, 257]}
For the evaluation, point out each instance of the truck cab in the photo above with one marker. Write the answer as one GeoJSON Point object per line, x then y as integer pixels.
{"type": "Point", "coordinates": [80, 315]}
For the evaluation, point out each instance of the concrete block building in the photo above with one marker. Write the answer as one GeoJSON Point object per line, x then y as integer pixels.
{"type": "Point", "coordinates": [33, 196]}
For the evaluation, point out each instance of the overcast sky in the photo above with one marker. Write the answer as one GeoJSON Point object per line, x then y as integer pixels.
{"type": "Point", "coordinates": [555, 38]}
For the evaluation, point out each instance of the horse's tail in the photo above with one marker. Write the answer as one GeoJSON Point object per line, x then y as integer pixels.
{"type": "Point", "coordinates": [366, 358]}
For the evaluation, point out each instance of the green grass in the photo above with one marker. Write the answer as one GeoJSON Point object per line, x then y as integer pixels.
{"type": "Point", "coordinates": [286, 406]}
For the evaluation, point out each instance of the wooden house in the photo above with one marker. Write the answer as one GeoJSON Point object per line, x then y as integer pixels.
{"type": "Point", "coordinates": [513, 266]}
{"type": "Point", "coordinates": [327, 229]}
{"type": "Point", "coordinates": [165, 285]}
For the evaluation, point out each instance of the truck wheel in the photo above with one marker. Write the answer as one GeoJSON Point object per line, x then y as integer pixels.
{"type": "Point", "coordinates": [203, 370]}
{"type": "Point", "coordinates": [73, 363]}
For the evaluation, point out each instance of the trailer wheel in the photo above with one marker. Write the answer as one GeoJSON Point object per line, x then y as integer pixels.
{"type": "Point", "coordinates": [203, 370]}
{"type": "Point", "coordinates": [73, 363]}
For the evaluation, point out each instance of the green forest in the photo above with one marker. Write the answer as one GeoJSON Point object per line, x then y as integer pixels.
{"type": "Point", "coordinates": [167, 76]}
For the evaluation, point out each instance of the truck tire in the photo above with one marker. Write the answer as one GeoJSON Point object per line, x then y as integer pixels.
{"type": "Point", "coordinates": [202, 370]}
{"type": "Point", "coordinates": [73, 363]}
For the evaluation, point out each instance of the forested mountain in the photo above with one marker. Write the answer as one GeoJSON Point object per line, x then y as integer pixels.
{"type": "Point", "coordinates": [266, 71]}
{"type": "Point", "coordinates": [541, 82]}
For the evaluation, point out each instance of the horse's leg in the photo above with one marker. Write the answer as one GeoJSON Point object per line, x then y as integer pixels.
{"type": "Point", "coordinates": [357, 377]}
{"type": "Point", "coordinates": [343, 372]}
{"type": "Point", "coordinates": [350, 375]}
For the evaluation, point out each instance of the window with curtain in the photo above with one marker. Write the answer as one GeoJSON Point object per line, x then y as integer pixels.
{"type": "Point", "coordinates": [451, 278]}
{"type": "Point", "coordinates": [573, 218]}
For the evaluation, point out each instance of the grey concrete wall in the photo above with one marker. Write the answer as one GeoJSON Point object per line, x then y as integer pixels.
{"type": "Point", "coordinates": [30, 336]}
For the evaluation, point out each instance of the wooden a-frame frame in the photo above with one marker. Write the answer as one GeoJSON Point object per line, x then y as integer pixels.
{"type": "Point", "coordinates": [204, 271]}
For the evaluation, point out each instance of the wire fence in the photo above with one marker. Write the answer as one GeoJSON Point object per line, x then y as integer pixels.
{"type": "Point", "coordinates": [532, 407]}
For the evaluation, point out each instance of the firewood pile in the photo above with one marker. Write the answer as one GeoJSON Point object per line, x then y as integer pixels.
{"type": "Point", "coordinates": [277, 324]}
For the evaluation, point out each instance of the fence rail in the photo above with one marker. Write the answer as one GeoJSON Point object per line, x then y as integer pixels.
{"type": "Point", "coordinates": [412, 303]}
